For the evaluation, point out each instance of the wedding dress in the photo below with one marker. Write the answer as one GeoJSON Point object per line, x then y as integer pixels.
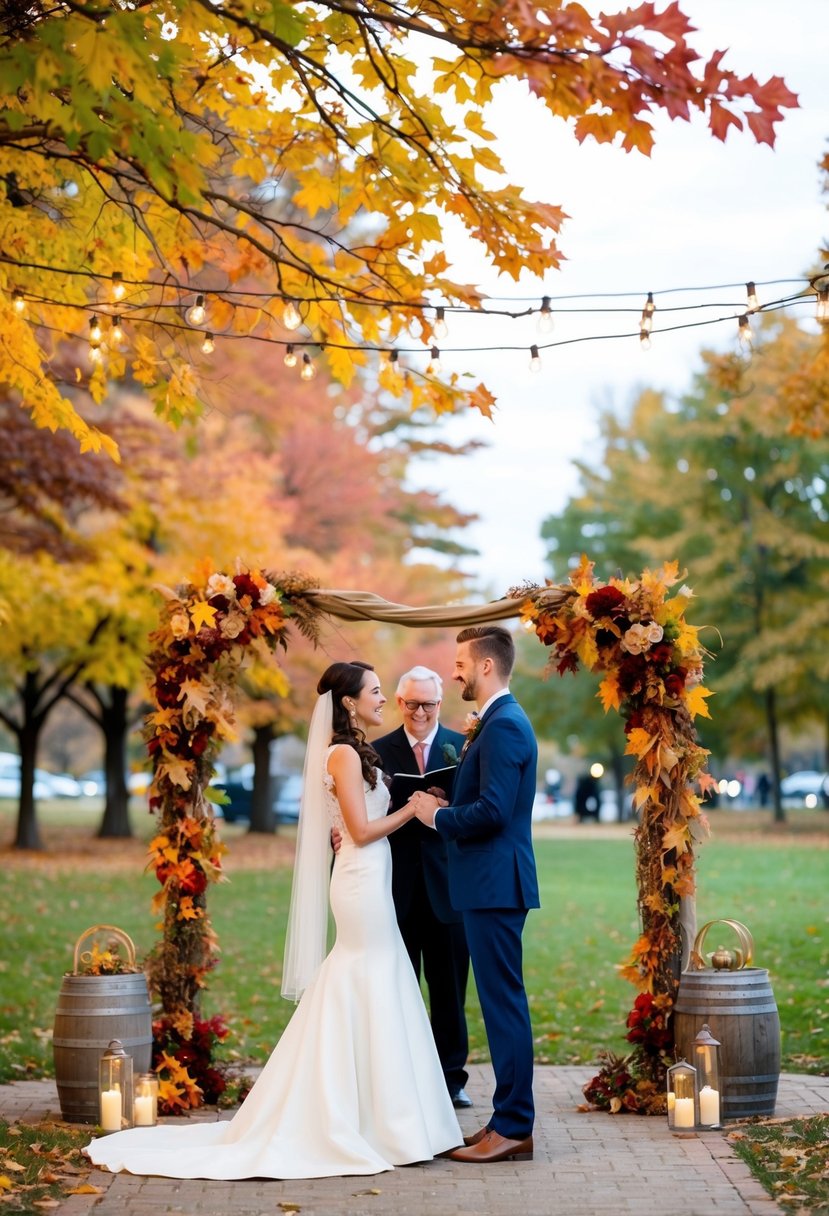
{"type": "Point", "coordinates": [354, 1085]}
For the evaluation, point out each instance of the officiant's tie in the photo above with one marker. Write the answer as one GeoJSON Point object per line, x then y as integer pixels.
{"type": "Point", "coordinates": [418, 749]}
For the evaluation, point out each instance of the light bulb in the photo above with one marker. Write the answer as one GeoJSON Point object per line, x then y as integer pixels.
{"type": "Point", "coordinates": [752, 302]}
{"type": "Point", "coordinates": [308, 370]}
{"type": "Point", "coordinates": [116, 333]}
{"type": "Point", "coordinates": [18, 301]}
{"type": "Point", "coordinates": [440, 328]}
{"type": "Point", "coordinates": [196, 314]}
{"type": "Point", "coordinates": [208, 345]}
{"type": "Point", "coordinates": [393, 357]}
{"type": "Point", "coordinates": [96, 355]}
{"type": "Point", "coordinates": [744, 333]}
{"type": "Point", "coordinates": [545, 321]}
{"type": "Point", "coordinates": [95, 331]}
{"type": "Point", "coordinates": [290, 356]}
{"type": "Point", "coordinates": [290, 317]}
{"type": "Point", "coordinates": [646, 322]}
{"type": "Point", "coordinates": [535, 359]}
{"type": "Point", "coordinates": [822, 313]}
{"type": "Point", "coordinates": [118, 289]}
{"type": "Point", "coordinates": [435, 364]}
{"type": "Point", "coordinates": [644, 339]}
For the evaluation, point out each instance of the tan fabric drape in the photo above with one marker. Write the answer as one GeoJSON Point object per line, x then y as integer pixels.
{"type": "Point", "coordinates": [365, 606]}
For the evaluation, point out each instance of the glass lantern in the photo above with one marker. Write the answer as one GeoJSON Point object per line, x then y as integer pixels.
{"type": "Point", "coordinates": [706, 1061]}
{"type": "Point", "coordinates": [115, 1101]}
{"type": "Point", "coordinates": [145, 1107]}
{"type": "Point", "coordinates": [683, 1101]}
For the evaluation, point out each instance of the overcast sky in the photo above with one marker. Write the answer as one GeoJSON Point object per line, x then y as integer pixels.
{"type": "Point", "coordinates": [698, 213]}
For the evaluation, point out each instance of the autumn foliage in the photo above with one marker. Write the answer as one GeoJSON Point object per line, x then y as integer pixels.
{"type": "Point", "coordinates": [294, 165]}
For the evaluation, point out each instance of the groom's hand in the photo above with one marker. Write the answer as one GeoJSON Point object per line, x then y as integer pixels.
{"type": "Point", "coordinates": [425, 807]}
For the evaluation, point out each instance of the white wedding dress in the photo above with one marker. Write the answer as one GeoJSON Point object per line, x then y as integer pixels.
{"type": "Point", "coordinates": [354, 1085]}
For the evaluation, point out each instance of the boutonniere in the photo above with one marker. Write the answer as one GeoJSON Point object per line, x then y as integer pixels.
{"type": "Point", "coordinates": [471, 726]}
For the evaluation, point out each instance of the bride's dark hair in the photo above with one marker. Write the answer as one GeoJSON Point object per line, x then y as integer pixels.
{"type": "Point", "coordinates": [346, 680]}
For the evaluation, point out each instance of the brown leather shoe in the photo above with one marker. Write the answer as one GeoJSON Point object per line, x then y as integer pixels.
{"type": "Point", "coordinates": [476, 1137]}
{"type": "Point", "coordinates": [491, 1147]}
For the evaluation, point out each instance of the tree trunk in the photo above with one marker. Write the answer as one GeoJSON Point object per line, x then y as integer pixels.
{"type": "Point", "coordinates": [28, 832]}
{"type": "Point", "coordinates": [774, 748]}
{"type": "Point", "coordinates": [262, 818]}
{"type": "Point", "coordinates": [114, 724]}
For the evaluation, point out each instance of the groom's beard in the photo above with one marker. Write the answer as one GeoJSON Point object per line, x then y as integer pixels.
{"type": "Point", "coordinates": [469, 691]}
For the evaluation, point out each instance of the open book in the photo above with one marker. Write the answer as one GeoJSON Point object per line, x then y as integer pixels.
{"type": "Point", "coordinates": [403, 785]}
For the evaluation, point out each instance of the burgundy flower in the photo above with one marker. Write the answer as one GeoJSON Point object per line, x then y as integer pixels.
{"type": "Point", "coordinates": [246, 586]}
{"type": "Point", "coordinates": [661, 654]}
{"type": "Point", "coordinates": [631, 674]}
{"type": "Point", "coordinates": [675, 682]}
{"type": "Point", "coordinates": [567, 662]}
{"type": "Point", "coordinates": [604, 602]}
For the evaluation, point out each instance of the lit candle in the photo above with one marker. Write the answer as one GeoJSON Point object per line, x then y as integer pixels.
{"type": "Point", "coordinates": [143, 1110]}
{"type": "Point", "coordinates": [709, 1105]}
{"type": "Point", "coordinates": [671, 1100]}
{"type": "Point", "coordinates": [111, 1110]}
{"type": "Point", "coordinates": [684, 1112]}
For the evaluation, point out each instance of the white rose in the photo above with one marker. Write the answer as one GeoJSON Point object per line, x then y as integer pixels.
{"type": "Point", "coordinates": [267, 594]}
{"type": "Point", "coordinates": [635, 640]}
{"type": "Point", "coordinates": [220, 584]}
{"type": "Point", "coordinates": [654, 633]}
{"type": "Point", "coordinates": [180, 625]}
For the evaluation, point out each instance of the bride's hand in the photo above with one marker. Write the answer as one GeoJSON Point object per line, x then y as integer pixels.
{"type": "Point", "coordinates": [425, 806]}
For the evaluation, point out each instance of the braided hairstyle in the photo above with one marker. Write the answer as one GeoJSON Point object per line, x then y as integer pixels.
{"type": "Point", "coordinates": [346, 680]}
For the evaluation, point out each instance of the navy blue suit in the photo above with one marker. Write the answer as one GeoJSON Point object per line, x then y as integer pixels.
{"type": "Point", "coordinates": [492, 880]}
{"type": "Point", "coordinates": [431, 928]}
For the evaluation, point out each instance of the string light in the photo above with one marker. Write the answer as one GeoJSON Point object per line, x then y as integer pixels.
{"type": "Point", "coordinates": [18, 301]}
{"type": "Point", "coordinates": [535, 359]}
{"type": "Point", "coordinates": [435, 365]}
{"type": "Point", "coordinates": [752, 303]}
{"type": "Point", "coordinates": [644, 339]}
{"type": "Point", "coordinates": [96, 355]}
{"type": "Point", "coordinates": [440, 329]}
{"type": "Point", "coordinates": [95, 332]}
{"type": "Point", "coordinates": [290, 316]}
{"type": "Point", "coordinates": [116, 333]}
{"type": "Point", "coordinates": [545, 322]}
{"type": "Point", "coordinates": [308, 370]}
{"type": "Point", "coordinates": [393, 356]}
{"type": "Point", "coordinates": [208, 345]}
{"type": "Point", "coordinates": [744, 333]}
{"type": "Point", "coordinates": [290, 357]}
{"type": "Point", "coordinates": [646, 322]}
{"type": "Point", "coordinates": [196, 314]}
{"type": "Point", "coordinates": [118, 290]}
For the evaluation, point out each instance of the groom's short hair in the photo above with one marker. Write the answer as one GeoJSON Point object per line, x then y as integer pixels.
{"type": "Point", "coordinates": [491, 642]}
{"type": "Point", "coordinates": [420, 673]}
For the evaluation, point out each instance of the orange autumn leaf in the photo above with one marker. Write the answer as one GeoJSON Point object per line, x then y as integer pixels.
{"type": "Point", "coordinates": [676, 838]}
{"type": "Point", "coordinates": [639, 742]}
{"type": "Point", "coordinates": [609, 692]}
{"type": "Point", "coordinates": [695, 701]}
{"type": "Point", "coordinates": [202, 613]}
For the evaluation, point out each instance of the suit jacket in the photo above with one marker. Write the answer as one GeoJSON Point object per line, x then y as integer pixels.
{"type": "Point", "coordinates": [417, 850]}
{"type": "Point", "coordinates": [488, 827]}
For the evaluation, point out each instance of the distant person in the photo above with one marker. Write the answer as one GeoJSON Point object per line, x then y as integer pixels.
{"type": "Point", "coordinates": [432, 930]}
{"type": "Point", "coordinates": [763, 790]}
{"type": "Point", "coordinates": [586, 798]}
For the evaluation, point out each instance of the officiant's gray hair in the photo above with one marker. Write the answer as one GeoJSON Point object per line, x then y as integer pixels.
{"type": "Point", "coordinates": [420, 673]}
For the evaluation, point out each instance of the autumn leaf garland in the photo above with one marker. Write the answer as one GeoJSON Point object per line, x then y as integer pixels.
{"type": "Point", "coordinates": [635, 632]}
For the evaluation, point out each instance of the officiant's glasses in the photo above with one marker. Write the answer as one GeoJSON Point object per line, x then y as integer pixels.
{"type": "Point", "coordinates": [426, 706]}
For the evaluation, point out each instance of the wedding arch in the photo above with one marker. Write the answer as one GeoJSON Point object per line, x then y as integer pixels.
{"type": "Point", "coordinates": [633, 631]}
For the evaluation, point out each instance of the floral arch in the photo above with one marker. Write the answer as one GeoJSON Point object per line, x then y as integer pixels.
{"type": "Point", "coordinates": [633, 631]}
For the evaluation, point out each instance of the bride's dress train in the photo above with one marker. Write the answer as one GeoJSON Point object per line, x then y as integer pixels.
{"type": "Point", "coordinates": [354, 1085]}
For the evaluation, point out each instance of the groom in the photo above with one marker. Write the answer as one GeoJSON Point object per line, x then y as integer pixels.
{"type": "Point", "coordinates": [492, 878]}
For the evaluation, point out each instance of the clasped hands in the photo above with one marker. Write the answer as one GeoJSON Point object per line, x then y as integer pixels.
{"type": "Point", "coordinates": [425, 804]}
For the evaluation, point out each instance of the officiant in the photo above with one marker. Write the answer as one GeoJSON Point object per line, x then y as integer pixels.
{"type": "Point", "coordinates": [431, 929]}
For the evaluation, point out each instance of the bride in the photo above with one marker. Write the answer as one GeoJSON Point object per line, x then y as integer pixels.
{"type": "Point", "coordinates": [354, 1085]}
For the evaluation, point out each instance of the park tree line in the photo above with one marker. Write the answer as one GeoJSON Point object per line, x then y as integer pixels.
{"type": "Point", "coordinates": [278, 476]}
{"type": "Point", "coordinates": [714, 478]}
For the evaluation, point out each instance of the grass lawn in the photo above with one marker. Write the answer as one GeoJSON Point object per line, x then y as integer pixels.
{"type": "Point", "coordinates": [774, 881]}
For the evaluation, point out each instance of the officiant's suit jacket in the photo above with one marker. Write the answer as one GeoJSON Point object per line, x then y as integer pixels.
{"type": "Point", "coordinates": [418, 851]}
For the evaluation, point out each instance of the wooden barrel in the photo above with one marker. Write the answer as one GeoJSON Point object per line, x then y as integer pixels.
{"type": "Point", "coordinates": [741, 1012]}
{"type": "Point", "coordinates": [92, 1010]}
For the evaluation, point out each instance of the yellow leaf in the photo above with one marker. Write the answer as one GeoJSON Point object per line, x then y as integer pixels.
{"type": "Point", "coordinates": [609, 692]}
{"type": "Point", "coordinates": [203, 613]}
{"type": "Point", "coordinates": [86, 1188]}
{"type": "Point", "coordinates": [639, 742]}
{"type": "Point", "coordinates": [6, 1184]}
{"type": "Point", "coordinates": [695, 700]}
{"type": "Point", "coordinates": [677, 837]}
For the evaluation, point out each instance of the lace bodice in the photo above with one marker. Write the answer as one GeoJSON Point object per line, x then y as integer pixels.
{"type": "Point", "coordinates": [377, 799]}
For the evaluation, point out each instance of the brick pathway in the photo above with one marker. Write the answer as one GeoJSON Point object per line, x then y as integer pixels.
{"type": "Point", "coordinates": [586, 1164]}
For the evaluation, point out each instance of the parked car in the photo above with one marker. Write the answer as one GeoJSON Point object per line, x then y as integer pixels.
{"type": "Point", "coordinates": [10, 779]}
{"type": "Point", "coordinates": [807, 786]}
{"type": "Point", "coordinates": [288, 798]}
{"type": "Point", "coordinates": [64, 785]}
